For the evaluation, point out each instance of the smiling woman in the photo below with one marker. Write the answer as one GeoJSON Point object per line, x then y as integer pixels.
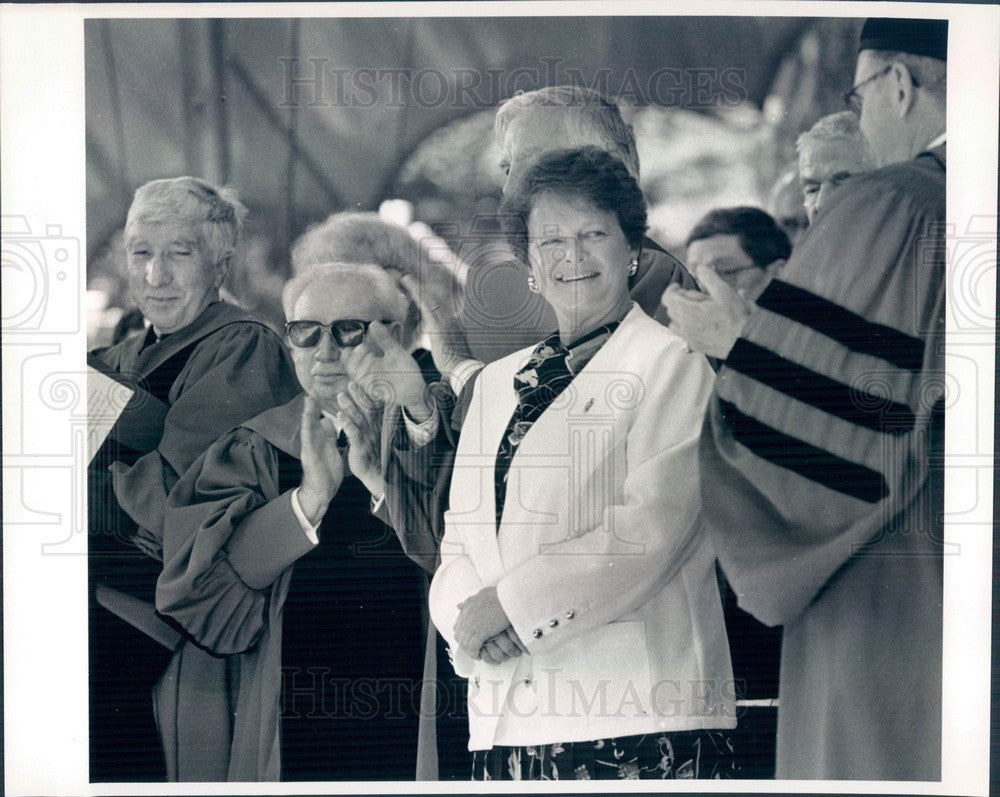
{"type": "Point", "coordinates": [578, 218]}
{"type": "Point", "coordinates": [579, 594]}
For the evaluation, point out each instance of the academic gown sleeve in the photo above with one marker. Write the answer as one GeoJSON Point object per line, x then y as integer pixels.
{"type": "Point", "coordinates": [820, 433]}
{"type": "Point", "coordinates": [417, 482]}
{"type": "Point", "coordinates": [232, 375]}
{"type": "Point", "coordinates": [229, 543]}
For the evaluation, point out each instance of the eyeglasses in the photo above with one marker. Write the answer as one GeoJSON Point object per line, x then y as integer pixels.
{"type": "Point", "coordinates": [852, 98]}
{"type": "Point", "coordinates": [346, 333]}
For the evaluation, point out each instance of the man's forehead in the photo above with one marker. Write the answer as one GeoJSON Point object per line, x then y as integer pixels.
{"type": "Point", "coordinates": [706, 250]}
{"type": "Point", "coordinates": [540, 128]}
{"type": "Point", "coordinates": [829, 157]}
{"type": "Point", "coordinates": [164, 228]}
{"type": "Point", "coordinates": [344, 296]}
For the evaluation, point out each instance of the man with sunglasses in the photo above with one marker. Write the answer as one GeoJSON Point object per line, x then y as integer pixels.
{"type": "Point", "coordinates": [820, 456]}
{"type": "Point", "coordinates": [275, 555]}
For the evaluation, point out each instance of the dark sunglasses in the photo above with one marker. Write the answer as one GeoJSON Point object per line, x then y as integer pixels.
{"type": "Point", "coordinates": [346, 333]}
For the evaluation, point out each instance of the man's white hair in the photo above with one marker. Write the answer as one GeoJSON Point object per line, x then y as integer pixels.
{"type": "Point", "coordinates": [216, 213]}
{"type": "Point", "coordinates": [594, 113]}
{"type": "Point", "coordinates": [839, 127]}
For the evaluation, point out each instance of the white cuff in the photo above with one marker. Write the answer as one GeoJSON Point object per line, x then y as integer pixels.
{"type": "Point", "coordinates": [310, 530]}
{"type": "Point", "coordinates": [462, 373]}
{"type": "Point", "coordinates": [421, 434]}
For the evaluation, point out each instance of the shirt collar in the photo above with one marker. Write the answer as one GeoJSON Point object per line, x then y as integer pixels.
{"type": "Point", "coordinates": [583, 348]}
{"type": "Point", "coordinates": [937, 142]}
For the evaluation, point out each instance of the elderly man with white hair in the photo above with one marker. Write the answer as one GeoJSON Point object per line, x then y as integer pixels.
{"type": "Point", "coordinates": [199, 367]}
{"type": "Point", "coordinates": [276, 558]}
{"type": "Point", "coordinates": [831, 152]}
{"type": "Point", "coordinates": [821, 453]}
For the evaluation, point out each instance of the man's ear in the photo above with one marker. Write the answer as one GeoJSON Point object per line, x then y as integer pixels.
{"type": "Point", "coordinates": [904, 91]}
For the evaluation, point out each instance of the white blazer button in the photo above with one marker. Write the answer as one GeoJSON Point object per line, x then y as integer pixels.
{"type": "Point", "coordinates": [527, 681]}
{"type": "Point", "coordinates": [553, 623]}
{"type": "Point", "coordinates": [537, 633]}
{"type": "Point", "coordinates": [569, 614]}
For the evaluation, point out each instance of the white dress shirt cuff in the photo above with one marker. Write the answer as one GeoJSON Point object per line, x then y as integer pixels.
{"type": "Point", "coordinates": [420, 434]}
{"type": "Point", "coordinates": [310, 530]}
{"type": "Point", "coordinates": [462, 373]}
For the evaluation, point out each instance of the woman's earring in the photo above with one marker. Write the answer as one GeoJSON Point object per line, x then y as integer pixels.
{"type": "Point", "coordinates": [633, 266]}
{"type": "Point", "coordinates": [532, 285]}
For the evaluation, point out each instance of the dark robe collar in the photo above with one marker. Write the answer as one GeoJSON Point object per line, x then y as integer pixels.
{"type": "Point", "coordinates": [142, 361]}
{"type": "Point", "coordinates": [281, 426]}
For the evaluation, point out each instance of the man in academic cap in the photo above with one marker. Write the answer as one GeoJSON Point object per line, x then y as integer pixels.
{"type": "Point", "coordinates": [822, 448]}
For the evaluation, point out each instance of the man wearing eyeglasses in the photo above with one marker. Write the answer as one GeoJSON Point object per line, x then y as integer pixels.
{"type": "Point", "coordinates": [820, 455]}
{"type": "Point", "coordinates": [274, 556]}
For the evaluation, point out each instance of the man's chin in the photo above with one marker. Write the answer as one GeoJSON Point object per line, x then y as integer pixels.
{"type": "Point", "coordinates": [325, 389]}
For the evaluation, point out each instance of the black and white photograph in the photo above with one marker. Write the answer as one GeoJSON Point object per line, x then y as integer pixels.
{"type": "Point", "coordinates": [400, 397]}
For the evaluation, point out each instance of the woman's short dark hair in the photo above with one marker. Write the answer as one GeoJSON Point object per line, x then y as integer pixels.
{"type": "Point", "coordinates": [586, 173]}
{"type": "Point", "coordinates": [759, 235]}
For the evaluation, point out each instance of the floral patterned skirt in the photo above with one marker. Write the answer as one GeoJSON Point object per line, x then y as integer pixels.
{"type": "Point", "coordinates": [679, 755]}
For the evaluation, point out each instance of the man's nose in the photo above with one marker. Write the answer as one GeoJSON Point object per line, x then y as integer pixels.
{"type": "Point", "coordinates": [823, 195]}
{"type": "Point", "coordinates": [327, 349]}
{"type": "Point", "coordinates": [157, 271]}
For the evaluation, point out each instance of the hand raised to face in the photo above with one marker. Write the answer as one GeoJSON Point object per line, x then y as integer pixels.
{"type": "Point", "coordinates": [360, 418]}
{"type": "Point", "coordinates": [710, 322]}
{"type": "Point", "coordinates": [387, 373]}
{"type": "Point", "coordinates": [440, 315]}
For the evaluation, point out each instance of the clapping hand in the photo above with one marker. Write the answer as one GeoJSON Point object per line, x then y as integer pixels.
{"type": "Point", "coordinates": [710, 322]}
{"type": "Point", "coordinates": [322, 462]}
{"type": "Point", "coordinates": [360, 418]}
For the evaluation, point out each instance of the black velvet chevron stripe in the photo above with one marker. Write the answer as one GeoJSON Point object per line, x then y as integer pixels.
{"type": "Point", "coordinates": [807, 460]}
{"type": "Point", "coordinates": [847, 328]}
{"type": "Point", "coordinates": [854, 406]}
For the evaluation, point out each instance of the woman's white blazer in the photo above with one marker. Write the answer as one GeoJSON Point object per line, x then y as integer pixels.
{"type": "Point", "coordinates": [600, 561]}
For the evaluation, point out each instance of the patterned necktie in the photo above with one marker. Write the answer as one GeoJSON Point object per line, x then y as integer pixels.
{"type": "Point", "coordinates": [539, 383]}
